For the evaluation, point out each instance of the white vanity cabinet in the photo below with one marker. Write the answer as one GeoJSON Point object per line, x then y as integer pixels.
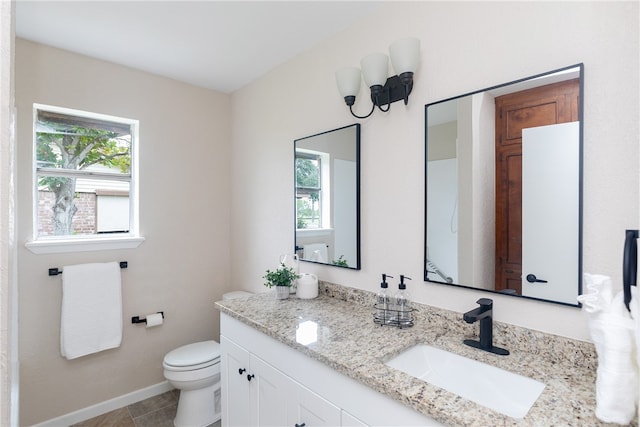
{"type": "Point", "coordinates": [267, 383]}
{"type": "Point", "coordinates": [310, 410]}
{"type": "Point", "coordinates": [348, 420]}
{"type": "Point", "coordinates": [236, 390]}
{"type": "Point", "coordinates": [257, 394]}
{"type": "Point", "coordinates": [254, 393]}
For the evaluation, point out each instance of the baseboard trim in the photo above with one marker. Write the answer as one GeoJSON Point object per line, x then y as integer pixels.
{"type": "Point", "coordinates": [107, 406]}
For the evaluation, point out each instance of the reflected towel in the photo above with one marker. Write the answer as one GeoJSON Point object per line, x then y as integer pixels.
{"type": "Point", "coordinates": [634, 306]}
{"type": "Point", "coordinates": [613, 333]}
{"type": "Point", "coordinates": [316, 252]}
{"type": "Point", "coordinates": [91, 314]}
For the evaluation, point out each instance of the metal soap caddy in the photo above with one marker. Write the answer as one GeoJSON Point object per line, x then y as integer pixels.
{"type": "Point", "coordinates": [392, 317]}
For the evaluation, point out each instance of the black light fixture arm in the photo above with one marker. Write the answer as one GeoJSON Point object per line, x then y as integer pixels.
{"type": "Point", "coordinates": [395, 89]}
{"type": "Point", "coordinates": [350, 100]}
{"type": "Point", "coordinates": [379, 92]}
{"type": "Point", "coordinates": [407, 82]}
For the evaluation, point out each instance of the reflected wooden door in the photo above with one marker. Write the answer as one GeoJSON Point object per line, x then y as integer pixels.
{"type": "Point", "coordinates": [546, 105]}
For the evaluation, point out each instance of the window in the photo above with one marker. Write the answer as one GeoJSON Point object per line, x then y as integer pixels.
{"type": "Point", "coordinates": [308, 191]}
{"type": "Point", "coordinates": [85, 178]}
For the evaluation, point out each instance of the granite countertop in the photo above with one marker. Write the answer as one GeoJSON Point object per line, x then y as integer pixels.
{"type": "Point", "coordinates": [349, 342]}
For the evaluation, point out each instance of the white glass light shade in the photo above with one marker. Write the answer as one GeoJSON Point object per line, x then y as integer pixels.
{"type": "Point", "coordinates": [348, 81]}
{"type": "Point", "coordinates": [375, 69]}
{"type": "Point", "coordinates": [405, 55]}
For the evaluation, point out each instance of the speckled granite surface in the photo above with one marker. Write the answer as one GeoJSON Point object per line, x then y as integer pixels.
{"type": "Point", "coordinates": [349, 342]}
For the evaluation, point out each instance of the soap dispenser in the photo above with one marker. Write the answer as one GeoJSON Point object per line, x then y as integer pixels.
{"type": "Point", "coordinates": [383, 301]}
{"type": "Point", "coordinates": [403, 303]}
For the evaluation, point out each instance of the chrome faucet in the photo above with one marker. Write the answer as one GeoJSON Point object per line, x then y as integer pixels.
{"type": "Point", "coordinates": [484, 314]}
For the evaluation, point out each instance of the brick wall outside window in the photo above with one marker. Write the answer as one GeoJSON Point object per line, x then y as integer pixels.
{"type": "Point", "coordinates": [84, 221]}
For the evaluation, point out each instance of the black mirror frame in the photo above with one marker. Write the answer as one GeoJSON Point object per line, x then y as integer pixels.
{"type": "Point", "coordinates": [358, 223]}
{"type": "Point", "coordinates": [580, 66]}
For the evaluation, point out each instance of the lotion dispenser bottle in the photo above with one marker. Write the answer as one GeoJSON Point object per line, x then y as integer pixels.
{"type": "Point", "coordinates": [403, 303]}
{"type": "Point", "coordinates": [383, 300]}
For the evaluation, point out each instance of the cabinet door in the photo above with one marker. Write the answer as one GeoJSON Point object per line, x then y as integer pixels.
{"type": "Point", "coordinates": [269, 397]}
{"type": "Point", "coordinates": [310, 410]}
{"type": "Point", "coordinates": [349, 420]}
{"type": "Point", "coordinates": [235, 386]}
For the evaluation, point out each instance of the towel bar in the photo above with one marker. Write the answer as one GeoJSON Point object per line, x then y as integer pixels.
{"type": "Point", "coordinates": [56, 271]}
{"type": "Point", "coordinates": [629, 264]}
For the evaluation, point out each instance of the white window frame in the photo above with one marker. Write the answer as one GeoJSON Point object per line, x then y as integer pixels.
{"type": "Point", "coordinates": [82, 243]}
{"type": "Point", "coordinates": [324, 193]}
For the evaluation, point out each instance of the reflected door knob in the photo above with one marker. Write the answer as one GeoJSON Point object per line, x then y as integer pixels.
{"type": "Point", "coordinates": [531, 278]}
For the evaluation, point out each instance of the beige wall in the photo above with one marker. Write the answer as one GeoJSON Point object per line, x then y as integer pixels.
{"type": "Point", "coordinates": [181, 268]}
{"type": "Point", "coordinates": [465, 47]}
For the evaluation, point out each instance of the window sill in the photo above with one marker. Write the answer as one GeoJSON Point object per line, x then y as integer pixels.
{"type": "Point", "coordinates": [313, 232]}
{"type": "Point", "coordinates": [83, 245]}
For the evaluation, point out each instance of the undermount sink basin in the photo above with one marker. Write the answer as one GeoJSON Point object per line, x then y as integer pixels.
{"type": "Point", "coordinates": [503, 391]}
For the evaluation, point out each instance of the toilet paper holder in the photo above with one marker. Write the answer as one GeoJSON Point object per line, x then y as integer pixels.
{"type": "Point", "coordinates": [137, 319]}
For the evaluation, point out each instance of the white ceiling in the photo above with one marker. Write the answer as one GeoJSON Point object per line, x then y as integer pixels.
{"type": "Point", "coordinates": [220, 45]}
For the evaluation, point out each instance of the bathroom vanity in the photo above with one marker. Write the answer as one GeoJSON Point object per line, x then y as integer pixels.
{"type": "Point", "coordinates": [322, 362]}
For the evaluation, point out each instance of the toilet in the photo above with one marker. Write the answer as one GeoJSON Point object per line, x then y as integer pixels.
{"type": "Point", "coordinates": [194, 369]}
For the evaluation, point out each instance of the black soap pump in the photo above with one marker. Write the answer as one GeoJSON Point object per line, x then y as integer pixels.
{"type": "Point", "coordinates": [383, 301]}
{"type": "Point", "coordinates": [403, 303]}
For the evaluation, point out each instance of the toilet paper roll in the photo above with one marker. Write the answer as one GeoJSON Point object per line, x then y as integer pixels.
{"type": "Point", "coordinates": [154, 319]}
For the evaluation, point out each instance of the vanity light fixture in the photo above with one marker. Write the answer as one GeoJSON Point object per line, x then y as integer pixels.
{"type": "Point", "coordinates": [405, 57]}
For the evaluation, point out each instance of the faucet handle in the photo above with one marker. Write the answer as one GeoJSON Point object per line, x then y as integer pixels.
{"type": "Point", "coordinates": [485, 302]}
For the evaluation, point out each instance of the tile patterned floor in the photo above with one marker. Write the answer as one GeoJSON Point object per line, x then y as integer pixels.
{"type": "Point", "coordinates": [157, 411]}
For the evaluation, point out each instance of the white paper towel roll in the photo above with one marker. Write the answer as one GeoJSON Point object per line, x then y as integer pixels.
{"type": "Point", "coordinates": [154, 319]}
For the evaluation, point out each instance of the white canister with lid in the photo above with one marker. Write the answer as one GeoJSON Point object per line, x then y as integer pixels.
{"type": "Point", "coordinates": [307, 286]}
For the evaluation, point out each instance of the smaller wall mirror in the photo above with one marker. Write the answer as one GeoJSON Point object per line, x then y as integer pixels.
{"type": "Point", "coordinates": [327, 197]}
{"type": "Point", "coordinates": [504, 188]}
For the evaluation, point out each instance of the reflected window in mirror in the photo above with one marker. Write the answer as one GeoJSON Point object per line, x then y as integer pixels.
{"type": "Point", "coordinates": [327, 197]}
{"type": "Point", "coordinates": [310, 199]}
{"type": "Point", "coordinates": [504, 188]}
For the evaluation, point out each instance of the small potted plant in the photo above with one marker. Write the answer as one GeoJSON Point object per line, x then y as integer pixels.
{"type": "Point", "coordinates": [282, 279]}
{"type": "Point", "coordinates": [340, 262]}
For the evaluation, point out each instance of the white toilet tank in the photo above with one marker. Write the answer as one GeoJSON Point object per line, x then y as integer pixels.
{"type": "Point", "coordinates": [235, 295]}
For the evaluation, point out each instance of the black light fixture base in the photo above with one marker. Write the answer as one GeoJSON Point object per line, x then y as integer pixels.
{"type": "Point", "coordinates": [393, 90]}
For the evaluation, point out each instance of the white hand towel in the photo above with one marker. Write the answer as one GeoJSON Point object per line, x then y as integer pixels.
{"type": "Point", "coordinates": [613, 333]}
{"type": "Point", "coordinates": [91, 315]}
{"type": "Point", "coordinates": [598, 293]}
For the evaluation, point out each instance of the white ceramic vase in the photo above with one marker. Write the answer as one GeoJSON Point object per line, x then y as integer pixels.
{"type": "Point", "coordinates": [282, 292]}
{"type": "Point", "coordinates": [307, 286]}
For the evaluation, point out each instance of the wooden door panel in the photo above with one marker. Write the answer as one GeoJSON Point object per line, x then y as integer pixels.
{"type": "Point", "coordinates": [514, 209]}
{"type": "Point", "coordinates": [508, 233]}
{"type": "Point", "coordinates": [546, 105]}
{"type": "Point", "coordinates": [518, 118]}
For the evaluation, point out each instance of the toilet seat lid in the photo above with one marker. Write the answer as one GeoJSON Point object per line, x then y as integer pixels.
{"type": "Point", "coordinates": [193, 354]}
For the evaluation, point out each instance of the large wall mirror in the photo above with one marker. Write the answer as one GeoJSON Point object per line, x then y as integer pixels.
{"type": "Point", "coordinates": [327, 197]}
{"type": "Point", "coordinates": [504, 188]}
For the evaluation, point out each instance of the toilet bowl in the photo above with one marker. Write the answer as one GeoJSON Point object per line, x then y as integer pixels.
{"type": "Point", "coordinates": [194, 369]}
